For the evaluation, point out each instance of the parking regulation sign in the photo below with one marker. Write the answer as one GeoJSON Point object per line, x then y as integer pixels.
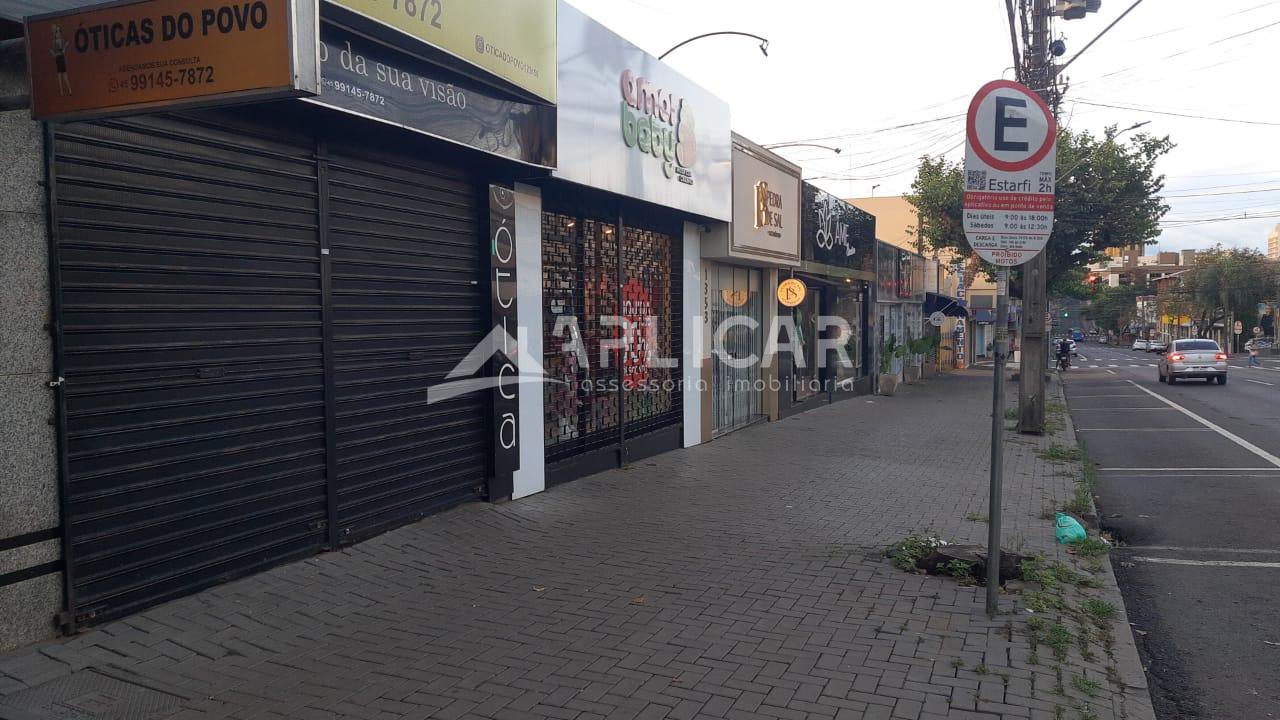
{"type": "Point", "coordinates": [1009, 173]}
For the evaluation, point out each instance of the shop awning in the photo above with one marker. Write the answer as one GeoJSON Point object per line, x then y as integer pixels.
{"type": "Point", "coordinates": [949, 306]}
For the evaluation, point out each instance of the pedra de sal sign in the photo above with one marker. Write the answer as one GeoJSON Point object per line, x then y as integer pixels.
{"type": "Point", "coordinates": [1011, 141]}
{"type": "Point", "coordinates": [165, 54]}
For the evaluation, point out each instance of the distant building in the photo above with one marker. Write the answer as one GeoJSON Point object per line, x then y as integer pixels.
{"type": "Point", "coordinates": [1273, 243]}
{"type": "Point", "coordinates": [1129, 267]}
{"type": "Point", "coordinates": [896, 223]}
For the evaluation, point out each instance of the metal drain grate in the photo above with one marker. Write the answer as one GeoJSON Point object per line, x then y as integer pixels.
{"type": "Point", "coordinates": [93, 694]}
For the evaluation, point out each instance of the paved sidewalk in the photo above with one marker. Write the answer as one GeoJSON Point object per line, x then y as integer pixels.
{"type": "Point", "coordinates": [745, 578]}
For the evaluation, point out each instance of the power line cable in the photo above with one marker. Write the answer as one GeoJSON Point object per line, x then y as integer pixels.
{"type": "Point", "coordinates": [1201, 24]}
{"type": "Point", "coordinates": [1176, 114]}
{"type": "Point", "coordinates": [1212, 194]}
{"type": "Point", "coordinates": [879, 130]}
{"type": "Point", "coordinates": [1160, 61]}
{"type": "Point", "coordinates": [1216, 187]}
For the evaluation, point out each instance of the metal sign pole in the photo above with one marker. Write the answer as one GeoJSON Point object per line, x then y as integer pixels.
{"type": "Point", "coordinates": [997, 441]}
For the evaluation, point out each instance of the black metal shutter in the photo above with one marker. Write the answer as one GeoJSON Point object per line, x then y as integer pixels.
{"type": "Point", "coordinates": [408, 303]}
{"type": "Point", "coordinates": [190, 303]}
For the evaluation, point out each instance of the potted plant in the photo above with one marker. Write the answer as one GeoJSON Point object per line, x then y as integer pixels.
{"type": "Point", "coordinates": [929, 349]}
{"type": "Point", "coordinates": [911, 359]}
{"type": "Point", "coordinates": [889, 380]}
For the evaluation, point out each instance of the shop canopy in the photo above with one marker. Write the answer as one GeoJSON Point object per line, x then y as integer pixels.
{"type": "Point", "coordinates": [949, 306]}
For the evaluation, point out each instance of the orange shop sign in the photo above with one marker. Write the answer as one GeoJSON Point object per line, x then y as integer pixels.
{"type": "Point", "coordinates": [162, 54]}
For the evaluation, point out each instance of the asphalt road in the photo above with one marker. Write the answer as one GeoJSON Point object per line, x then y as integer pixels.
{"type": "Point", "coordinates": [1189, 482]}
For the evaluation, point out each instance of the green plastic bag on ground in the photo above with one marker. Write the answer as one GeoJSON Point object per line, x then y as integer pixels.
{"type": "Point", "coordinates": [1069, 530]}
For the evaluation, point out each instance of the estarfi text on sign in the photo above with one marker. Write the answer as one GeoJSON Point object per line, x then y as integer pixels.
{"type": "Point", "coordinates": [1010, 156]}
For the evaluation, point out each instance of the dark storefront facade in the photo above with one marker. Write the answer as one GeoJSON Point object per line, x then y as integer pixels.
{"type": "Point", "coordinates": [832, 358]}
{"type": "Point", "coordinates": [621, 226]}
{"type": "Point", "coordinates": [256, 308]}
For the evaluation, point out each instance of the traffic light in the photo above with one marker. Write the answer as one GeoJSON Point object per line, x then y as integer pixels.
{"type": "Point", "coordinates": [1066, 313]}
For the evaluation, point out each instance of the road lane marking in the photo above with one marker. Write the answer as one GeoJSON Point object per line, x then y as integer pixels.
{"type": "Point", "coordinates": [1113, 366]}
{"type": "Point", "coordinates": [1125, 409]}
{"type": "Point", "coordinates": [1075, 397]}
{"type": "Point", "coordinates": [1160, 470]}
{"type": "Point", "coordinates": [1113, 372]}
{"type": "Point", "coordinates": [1220, 430]}
{"type": "Point", "coordinates": [1201, 476]}
{"type": "Point", "coordinates": [1172, 548]}
{"type": "Point", "coordinates": [1209, 563]}
{"type": "Point", "coordinates": [1259, 382]}
{"type": "Point", "coordinates": [1142, 430]}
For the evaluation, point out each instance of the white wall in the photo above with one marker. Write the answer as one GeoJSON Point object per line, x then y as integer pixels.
{"type": "Point", "coordinates": [531, 477]}
{"type": "Point", "coordinates": [692, 333]}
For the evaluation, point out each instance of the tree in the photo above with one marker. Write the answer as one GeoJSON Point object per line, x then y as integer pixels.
{"type": "Point", "coordinates": [1107, 197]}
{"type": "Point", "coordinates": [1227, 281]}
{"type": "Point", "coordinates": [1114, 308]}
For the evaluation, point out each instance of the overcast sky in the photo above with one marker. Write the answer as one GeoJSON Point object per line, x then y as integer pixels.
{"type": "Point", "coordinates": [838, 71]}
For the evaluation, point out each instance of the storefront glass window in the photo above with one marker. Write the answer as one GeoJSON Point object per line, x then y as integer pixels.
{"type": "Point", "coordinates": [849, 307]}
{"type": "Point", "coordinates": [805, 316]}
{"type": "Point", "coordinates": [734, 299]}
{"type": "Point", "coordinates": [889, 318]}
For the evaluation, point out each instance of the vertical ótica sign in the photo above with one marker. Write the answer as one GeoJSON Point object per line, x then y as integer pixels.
{"type": "Point", "coordinates": [503, 363]}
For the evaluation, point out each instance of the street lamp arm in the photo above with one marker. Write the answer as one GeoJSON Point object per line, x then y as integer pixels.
{"type": "Point", "coordinates": [764, 42]}
{"type": "Point", "coordinates": [775, 146]}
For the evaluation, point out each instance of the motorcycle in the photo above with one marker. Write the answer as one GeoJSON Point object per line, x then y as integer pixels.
{"type": "Point", "coordinates": [1064, 362]}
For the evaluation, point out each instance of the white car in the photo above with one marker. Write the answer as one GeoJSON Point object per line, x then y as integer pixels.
{"type": "Point", "coordinates": [1140, 344]}
{"type": "Point", "coordinates": [1193, 358]}
{"type": "Point", "coordinates": [1157, 345]}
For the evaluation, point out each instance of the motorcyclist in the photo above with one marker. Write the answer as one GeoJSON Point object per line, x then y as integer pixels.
{"type": "Point", "coordinates": [1064, 352]}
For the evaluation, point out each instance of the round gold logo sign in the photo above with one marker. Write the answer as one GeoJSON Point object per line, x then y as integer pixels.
{"type": "Point", "coordinates": [791, 292]}
{"type": "Point", "coordinates": [734, 298]}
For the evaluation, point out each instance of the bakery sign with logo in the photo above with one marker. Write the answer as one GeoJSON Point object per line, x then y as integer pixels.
{"type": "Point", "coordinates": [636, 127]}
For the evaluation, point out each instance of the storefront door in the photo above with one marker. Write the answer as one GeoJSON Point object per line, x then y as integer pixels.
{"type": "Point", "coordinates": [849, 307]}
{"type": "Point", "coordinates": [805, 364]}
{"type": "Point", "coordinates": [736, 317]}
{"type": "Point", "coordinates": [615, 396]}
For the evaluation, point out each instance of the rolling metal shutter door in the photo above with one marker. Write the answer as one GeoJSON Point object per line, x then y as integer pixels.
{"type": "Point", "coordinates": [408, 303]}
{"type": "Point", "coordinates": [191, 309]}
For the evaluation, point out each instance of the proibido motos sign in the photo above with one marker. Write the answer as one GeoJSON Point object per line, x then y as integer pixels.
{"type": "Point", "coordinates": [1009, 170]}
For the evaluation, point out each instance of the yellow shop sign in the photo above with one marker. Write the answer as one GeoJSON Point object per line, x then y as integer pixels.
{"type": "Point", "coordinates": [512, 39]}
